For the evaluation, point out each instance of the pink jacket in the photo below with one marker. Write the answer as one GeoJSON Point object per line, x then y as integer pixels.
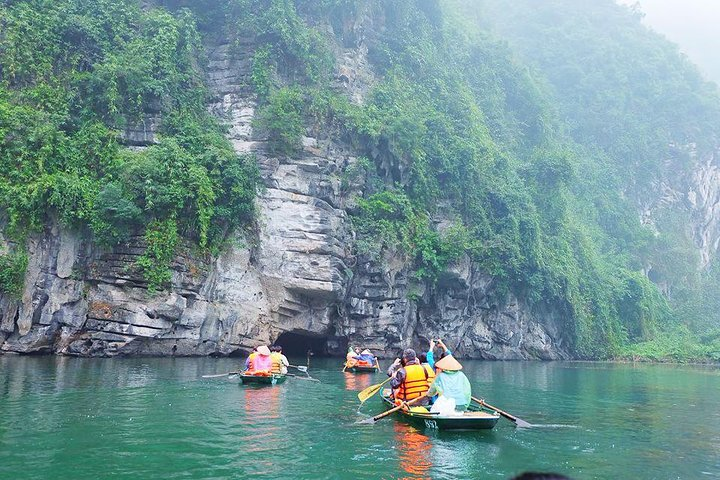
{"type": "Point", "coordinates": [262, 362]}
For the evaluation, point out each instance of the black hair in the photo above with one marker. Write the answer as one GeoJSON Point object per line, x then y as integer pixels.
{"type": "Point", "coordinates": [423, 357]}
{"type": "Point", "coordinates": [540, 476]}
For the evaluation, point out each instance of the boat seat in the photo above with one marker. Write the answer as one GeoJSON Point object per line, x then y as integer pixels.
{"type": "Point", "coordinates": [479, 414]}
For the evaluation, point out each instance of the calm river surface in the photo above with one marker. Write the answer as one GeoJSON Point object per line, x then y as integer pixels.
{"type": "Point", "coordinates": [68, 418]}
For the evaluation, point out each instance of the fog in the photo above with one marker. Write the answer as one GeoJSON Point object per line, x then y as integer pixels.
{"type": "Point", "coordinates": [692, 24]}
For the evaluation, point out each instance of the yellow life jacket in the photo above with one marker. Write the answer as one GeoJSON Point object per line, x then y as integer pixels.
{"type": "Point", "coordinates": [276, 363]}
{"type": "Point", "coordinates": [417, 381]}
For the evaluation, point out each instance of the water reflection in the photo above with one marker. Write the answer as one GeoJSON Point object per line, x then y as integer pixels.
{"type": "Point", "coordinates": [414, 452]}
{"type": "Point", "coordinates": [356, 382]}
{"type": "Point", "coordinates": [262, 402]}
{"type": "Point", "coordinates": [265, 437]}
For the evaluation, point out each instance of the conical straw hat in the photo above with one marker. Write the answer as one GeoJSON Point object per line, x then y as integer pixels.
{"type": "Point", "coordinates": [263, 350]}
{"type": "Point", "coordinates": [448, 363]}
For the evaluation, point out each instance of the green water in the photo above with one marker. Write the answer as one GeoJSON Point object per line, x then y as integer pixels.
{"type": "Point", "coordinates": [68, 418]}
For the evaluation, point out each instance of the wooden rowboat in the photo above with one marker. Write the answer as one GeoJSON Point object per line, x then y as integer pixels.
{"type": "Point", "coordinates": [262, 379]}
{"type": "Point", "coordinates": [363, 368]}
{"type": "Point", "coordinates": [475, 418]}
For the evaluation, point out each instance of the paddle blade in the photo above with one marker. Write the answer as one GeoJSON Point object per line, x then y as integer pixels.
{"type": "Point", "coordinates": [302, 368]}
{"type": "Point", "coordinates": [369, 392]}
{"type": "Point", "coordinates": [522, 423]}
{"type": "Point", "coordinates": [219, 375]}
{"type": "Point", "coordinates": [366, 421]}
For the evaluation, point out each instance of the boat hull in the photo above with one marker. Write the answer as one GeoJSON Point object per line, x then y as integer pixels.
{"type": "Point", "coordinates": [362, 369]}
{"type": "Point", "coordinates": [476, 418]}
{"type": "Point", "coordinates": [262, 380]}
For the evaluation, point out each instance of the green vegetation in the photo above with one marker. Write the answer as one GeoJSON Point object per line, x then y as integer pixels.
{"type": "Point", "coordinates": [161, 238]}
{"type": "Point", "coordinates": [282, 119]}
{"type": "Point", "coordinates": [12, 273]}
{"type": "Point", "coordinates": [73, 76]}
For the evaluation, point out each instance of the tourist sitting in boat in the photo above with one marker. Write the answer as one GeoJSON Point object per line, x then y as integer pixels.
{"type": "Point", "coordinates": [410, 379]}
{"type": "Point", "coordinates": [279, 361]}
{"type": "Point", "coordinates": [451, 382]}
{"type": "Point", "coordinates": [261, 363]}
{"type": "Point", "coordinates": [355, 357]}
{"type": "Point", "coordinates": [366, 358]}
{"type": "Point", "coordinates": [442, 352]}
{"type": "Point", "coordinates": [250, 359]}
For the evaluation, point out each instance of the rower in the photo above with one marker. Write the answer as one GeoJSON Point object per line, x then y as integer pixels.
{"type": "Point", "coordinates": [350, 358]}
{"type": "Point", "coordinates": [279, 361]}
{"type": "Point", "coordinates": [451, 382]}
{"type": "Point", "coordinates": [250, 359]}
{"type": "Point", "coordinates": [410, 379]}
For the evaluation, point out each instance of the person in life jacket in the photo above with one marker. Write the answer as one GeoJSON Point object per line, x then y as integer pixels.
{"type": "Point", "coordinates": [249, 360]}
{"type": "Point", "coordinates": [279, 361]}
{"type": "Point", "coordinates": [261, 363]}
{"type": "Point", "coordinates": [410, 379]}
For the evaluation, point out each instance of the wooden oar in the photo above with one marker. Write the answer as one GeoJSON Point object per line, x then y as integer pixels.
{"type": "Point", "coordinates": [220, 375]}
{"type": "Point", "coordinates": [393, 410]}
{"type": "Point", "coordinates": [517, 421]}
{"type": "Point", "coordinates": [304, 369]}
{"type": "Point", "coordinates": [371, 390]}
{"type": "Point", "coordinates": [303, 378]}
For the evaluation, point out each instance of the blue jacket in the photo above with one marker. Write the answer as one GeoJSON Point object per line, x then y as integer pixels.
{"type": "Point", "coordinates": [431, 357]}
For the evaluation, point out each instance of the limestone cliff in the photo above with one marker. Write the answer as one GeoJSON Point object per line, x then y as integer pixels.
{"type": "Point", "coordinates": [297, 274]}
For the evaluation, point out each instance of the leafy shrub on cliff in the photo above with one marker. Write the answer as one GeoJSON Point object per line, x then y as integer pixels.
{"type": "Point", "coordinates": [12, 272]}
{"type": "Point", "coordinates": [387, 221]}
{"type": "Point", "coordinates": [161, 238]}
{"type": "Point", "coordinates": [282, 120]}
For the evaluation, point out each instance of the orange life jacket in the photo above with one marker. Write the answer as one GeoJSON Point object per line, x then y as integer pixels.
{"type": "Point", "coordinates": [417, 381]}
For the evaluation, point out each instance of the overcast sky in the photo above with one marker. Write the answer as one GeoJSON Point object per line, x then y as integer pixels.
{"type": "Point", "coordinates": [692, 24]}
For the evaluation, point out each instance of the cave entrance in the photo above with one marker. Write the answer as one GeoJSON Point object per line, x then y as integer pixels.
{"type": "Point", "coordinates": [296, 344]}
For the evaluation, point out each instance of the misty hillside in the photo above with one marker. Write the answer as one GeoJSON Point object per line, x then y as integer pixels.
{"type": "Point", "coordinates": [534, 179]}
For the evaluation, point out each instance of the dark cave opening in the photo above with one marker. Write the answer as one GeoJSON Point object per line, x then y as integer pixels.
{"type": "Point", "coordinates": [296, 344]}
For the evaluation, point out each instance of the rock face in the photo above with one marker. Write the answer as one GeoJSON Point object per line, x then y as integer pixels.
{"type": "Point", "coordinates": [703, 195]}
{"type": "Point", "coordinates": [297, 276]}
{"type": "Point", "coordinates": [696, 192]}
